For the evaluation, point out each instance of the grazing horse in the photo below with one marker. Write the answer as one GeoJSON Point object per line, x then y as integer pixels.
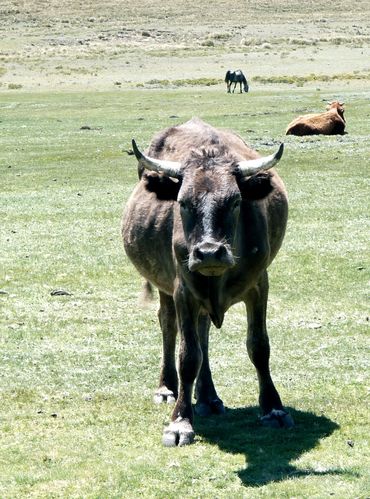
{"type": "Point", "coordinates": [236, 77]}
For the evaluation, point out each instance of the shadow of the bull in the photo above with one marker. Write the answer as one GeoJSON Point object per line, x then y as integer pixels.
{"type": "Point", "coordinates": [268, 452]}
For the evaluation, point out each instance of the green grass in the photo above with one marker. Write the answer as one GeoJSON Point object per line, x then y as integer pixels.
{"type": "Point", "coordinates": [78, 372]}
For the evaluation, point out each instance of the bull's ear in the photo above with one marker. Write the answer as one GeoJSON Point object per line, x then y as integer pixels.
{"type": "Point", "coordinates": [166, 188]}
{"type": "Point", "coordinates": [256, 187]}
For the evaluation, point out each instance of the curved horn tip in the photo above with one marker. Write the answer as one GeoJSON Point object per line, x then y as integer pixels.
{"type": "Point", "coordinates": [280, 151]}
{"type": "Point", "coordinates": [136, 150]}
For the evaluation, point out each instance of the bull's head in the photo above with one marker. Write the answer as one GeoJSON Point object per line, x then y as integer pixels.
{"type": "Point", "coordinates": [210, 201]}
{"type": "Point", "coordinates": [173, 168]}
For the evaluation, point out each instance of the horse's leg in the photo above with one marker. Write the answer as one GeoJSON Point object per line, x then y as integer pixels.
{"type": "Point", "coordinates": [234, 86]}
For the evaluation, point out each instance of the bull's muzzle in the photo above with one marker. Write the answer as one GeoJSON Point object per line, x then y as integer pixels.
{"type": "Point", "coordinates": [211, 258]}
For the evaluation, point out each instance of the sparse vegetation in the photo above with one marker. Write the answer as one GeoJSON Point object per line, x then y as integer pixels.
{"type": "Point", "coordinates": [221, 36]}
{"type": "Point", "coordinates": [203, 82]}
{"type": "Point", "coordinates": [300, 80]}
{"type": "Point", "coordinates": [14, 86]}
{"type": "Point", "coordinates": [208, 43]}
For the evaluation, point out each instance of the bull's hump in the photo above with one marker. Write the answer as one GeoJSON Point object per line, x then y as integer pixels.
{"type": "Point", "coordinates": [178, 142]}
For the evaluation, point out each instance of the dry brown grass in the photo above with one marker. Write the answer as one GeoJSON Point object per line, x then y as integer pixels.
{"type": "Point", "coordinates": [134, 42]}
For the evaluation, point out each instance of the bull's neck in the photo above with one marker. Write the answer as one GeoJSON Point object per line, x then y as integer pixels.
{"type": "Point", "coordinates": [209, 292]}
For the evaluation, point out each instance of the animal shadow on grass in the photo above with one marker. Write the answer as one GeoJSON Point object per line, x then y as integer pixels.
{"type": "Point", "coordinates": [268, 451]}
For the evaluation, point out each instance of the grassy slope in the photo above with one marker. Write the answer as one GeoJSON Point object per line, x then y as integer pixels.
{"type": "Point", "coordinates": [78, 371]}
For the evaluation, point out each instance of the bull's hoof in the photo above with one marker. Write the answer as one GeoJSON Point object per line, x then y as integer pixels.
{"type": "Point", "coordinates": [277, 418]}
{"type": "Point", "coordinates": [178, 433]}
{"type": "Point", "coordinates": [206, 409]}
{"type": "Point", "coordinates": [164, 396]}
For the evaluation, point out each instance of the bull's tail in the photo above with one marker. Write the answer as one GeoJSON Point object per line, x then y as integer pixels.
{"type": "Point", "coordinates": [147, 293]}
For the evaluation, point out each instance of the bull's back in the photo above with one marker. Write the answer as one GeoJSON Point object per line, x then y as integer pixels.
{"type": "Point", "coordinates": [147, 237]}
{"type": "Point", "coordinates": [173, 143]}
{"type": "Point", "coordinates": [277, 215]}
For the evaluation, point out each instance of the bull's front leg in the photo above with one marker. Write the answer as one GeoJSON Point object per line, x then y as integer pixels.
{"type": "Point", "coordinates": [180, 431]}
{"type": "Point", "coordinates": [273, 412]}
{"type": "Point", "coordinates": [208, 402]}
{"type": "Point", "coordinates": [167, 390]}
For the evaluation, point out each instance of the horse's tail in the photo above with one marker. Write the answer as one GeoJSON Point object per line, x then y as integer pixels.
{"type": "Point", "coordinates": [227, 77]}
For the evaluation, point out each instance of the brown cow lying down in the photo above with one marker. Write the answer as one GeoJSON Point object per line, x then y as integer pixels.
{"type": "Point", "coordinates": [203, 224]}
{"type": "Point", "coordinates": [331, 122]}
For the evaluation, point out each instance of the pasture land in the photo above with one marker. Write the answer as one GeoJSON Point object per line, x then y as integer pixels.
{"type": "Point", "coordinates": [78, 370]}
{"type": "Point", "coordinates": [75, 45]}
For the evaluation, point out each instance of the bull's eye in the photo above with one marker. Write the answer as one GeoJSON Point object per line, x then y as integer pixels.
{"type": "Point", "coordinates": [236, 205]}
{"type": "Point", "coordinates": [185, 207]}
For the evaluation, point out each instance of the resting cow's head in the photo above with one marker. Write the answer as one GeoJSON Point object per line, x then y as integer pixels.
{"type": "Point", "coordinates": [209, 188]}
{"type": "Point", "coordinates": [338, 106]}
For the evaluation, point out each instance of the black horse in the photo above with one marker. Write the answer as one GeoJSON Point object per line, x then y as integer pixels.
{"type": "Point", "coordinates": [236, 77]}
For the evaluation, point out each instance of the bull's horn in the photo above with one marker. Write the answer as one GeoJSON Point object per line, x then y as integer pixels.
{"type": "Point", "coordinates": [169, 168]}
{"type": "Point", "coordinates": [252, 166]}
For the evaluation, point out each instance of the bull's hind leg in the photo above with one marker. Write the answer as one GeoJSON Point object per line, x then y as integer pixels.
{"type": "Point", "coordinates": [208, 401]}
{"type": "Point", "coordinates": [273, 413]}
{"type": "Point", "coordinates": [168, 382]}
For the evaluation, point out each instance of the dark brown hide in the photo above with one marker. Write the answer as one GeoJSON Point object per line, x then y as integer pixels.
{"type": "Point", "coordinates": [205, 241]}
{"type": "Point", "coordinates": [331, 122]}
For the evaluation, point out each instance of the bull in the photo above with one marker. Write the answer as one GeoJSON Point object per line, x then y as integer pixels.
{"type": "Point", "coordinates": [203, 224]}
{"type": "Point", "coordinates": [331, 122]}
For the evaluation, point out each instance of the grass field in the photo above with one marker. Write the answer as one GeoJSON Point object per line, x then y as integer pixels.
{"type": "Point", "coordinates": [78, 371]}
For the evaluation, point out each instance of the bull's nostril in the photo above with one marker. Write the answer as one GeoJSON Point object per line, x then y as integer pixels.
{"type": "Point", "coordinates": [198, 254]}
{"type": "Point", "coordinates": [210, 258]}
{"type": "Point", "coordinates": [210, 252]}
{"type": "Point", "coordinates": [221, 252]}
